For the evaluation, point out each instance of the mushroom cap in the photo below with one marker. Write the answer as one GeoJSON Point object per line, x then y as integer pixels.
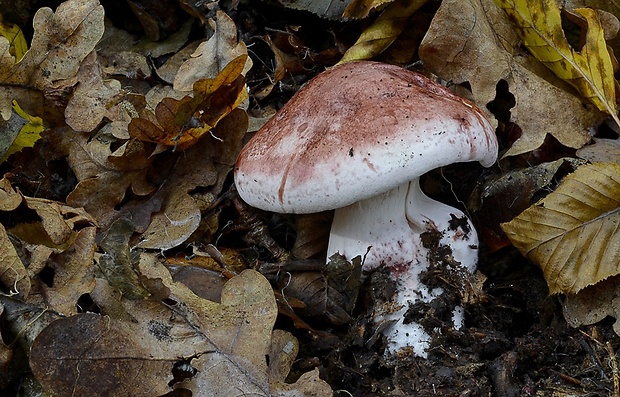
{"type": "Point", "coordinates": [356, 131]}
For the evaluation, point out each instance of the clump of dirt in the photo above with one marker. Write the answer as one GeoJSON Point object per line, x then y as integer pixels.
{"type": "Point", "coordinates": [515, 342]}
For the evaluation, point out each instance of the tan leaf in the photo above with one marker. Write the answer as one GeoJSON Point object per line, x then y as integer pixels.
{"type": "Point", "coordinates": [212, 56]}
{"type": "Point", "coordinates": [13, 273]}
{"type": "Point", "coordinates": [181, 123]}
{"type": "Point", "coordinates": [589, 69]}
{"type": "Point", "coordinates": [572, 234]}
{"type": "Point", "coordinates": [73, 273]}
{"type": "Point", "coordinates": [227, 344]}
{"type": "Point", "coordinates": [58, 220]}
{"type": "Point", "coordinates": [472, 41]}
{"type": "Point", "coordinates": [9, 198]}
{"type": "Point", "coordinates": [61, 40]}
{"type": "Point", "coordinates": [88, 105]}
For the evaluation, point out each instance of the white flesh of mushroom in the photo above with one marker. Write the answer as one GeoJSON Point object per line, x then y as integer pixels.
{"type": "Point", "coordinates": [386, 230]}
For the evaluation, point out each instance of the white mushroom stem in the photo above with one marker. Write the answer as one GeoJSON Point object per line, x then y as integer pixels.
{"type": "Point", "coordinates": [387, 229]}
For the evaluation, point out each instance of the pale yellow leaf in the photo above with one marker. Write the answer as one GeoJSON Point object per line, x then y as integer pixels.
{"type": "Point", "coordinates": [383, 31]}
{"type": "Point", "coordinates": [589, 69]}
{"type": "Point", "coordinates": [573, 233]}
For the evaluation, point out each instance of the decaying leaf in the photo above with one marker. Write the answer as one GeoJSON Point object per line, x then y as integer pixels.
{"type": "Point", "coordinates": [472, 41]}
{"type": "Point", "coordinates": [589, 69]}
{"type": "Point", "coordinates": [572, 234]}
{"type": "Point", "coordinates": [88, 105]}
{"type": "Point", "coordinates": [594, 303]}
{"type": "Point", "coordinates": [383, 31]}
{"type": "Point", "coordinates": [223, 346]}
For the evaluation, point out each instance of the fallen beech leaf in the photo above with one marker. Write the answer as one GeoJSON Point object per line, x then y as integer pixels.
{"type": "Point", "coordinates": [213, 55]}
{"type": "Point", "coordinates": [383, 31]}
{"type": "Point", "coordinates": [13, 273]}
{"type": "Point", "coordinates": [472, 41]}
{"type": "Point", "coordinates": [589, 70]}
{"type": "Point", "coordinates": [572, 233]}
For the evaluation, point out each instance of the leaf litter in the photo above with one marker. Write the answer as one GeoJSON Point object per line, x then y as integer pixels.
{"type": "Point", "coordinates": [131, 266]}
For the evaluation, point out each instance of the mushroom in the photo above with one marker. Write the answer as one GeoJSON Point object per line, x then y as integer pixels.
{"type": "Point", "coordinates": [356, 139]}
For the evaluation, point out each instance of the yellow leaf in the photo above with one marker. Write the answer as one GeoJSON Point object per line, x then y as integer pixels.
{"type": "Point", "coordinates": [382, 33]}
{"type": "Point", "coordinates": [573, 233]}
{"type": "Point", "coordinates": [28, 134]}
{"type": "Point", "coordinates": [589, 70]}
{"type": "Point", "coordinates": [15, 36]}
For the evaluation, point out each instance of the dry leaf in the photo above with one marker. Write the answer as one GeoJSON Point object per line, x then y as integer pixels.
{"type": "Point", "coordinates": [181, 123]}
{"type": "Point", "coordinates": [383, 31]}
{"type": "Point", "coordinates": [61, 40]}
{"type": "Point", "coordinates": [572, 233]}
{"type": "Point", "coordinates": [213, 55]}
{"type": "Point", "coordinates": [589, 69]}
{"type": "Point", "coordinates": [593, 304]}
{"type": "Point", "coordinates": [358, 9]}
{"type": "Point", "coordinates": [73, 273]}
{"type": "Point", "coordinates": [602, 150]}
{"type": "Point", "coordinates": [104, 176]}
{"type": "Point", "coordinates": [13, 273]}
{"type": "Point", "coordinates": [472, 41]}
{"type": "Point", "coordinates": [88, 105]}
{"type": "Point", "coordinates": [226, 344]}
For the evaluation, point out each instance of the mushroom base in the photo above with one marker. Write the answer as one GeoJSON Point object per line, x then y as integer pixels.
{"type": "Point", "coordinates": [386, 230]}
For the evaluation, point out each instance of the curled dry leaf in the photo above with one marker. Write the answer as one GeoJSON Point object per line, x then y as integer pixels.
{"type": "Point", "coordinates": [473, 41]}
{"type": "Point", "coordinates": [589, 69]}
{"type": "Point", "coordinates": [383, 31]}
{"type": "Point", "coordinates": [572, 234]}
{"type": "Point", "coordinates": [181, 123]}
{"type": "Point", "coordinates": [13, 273]}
